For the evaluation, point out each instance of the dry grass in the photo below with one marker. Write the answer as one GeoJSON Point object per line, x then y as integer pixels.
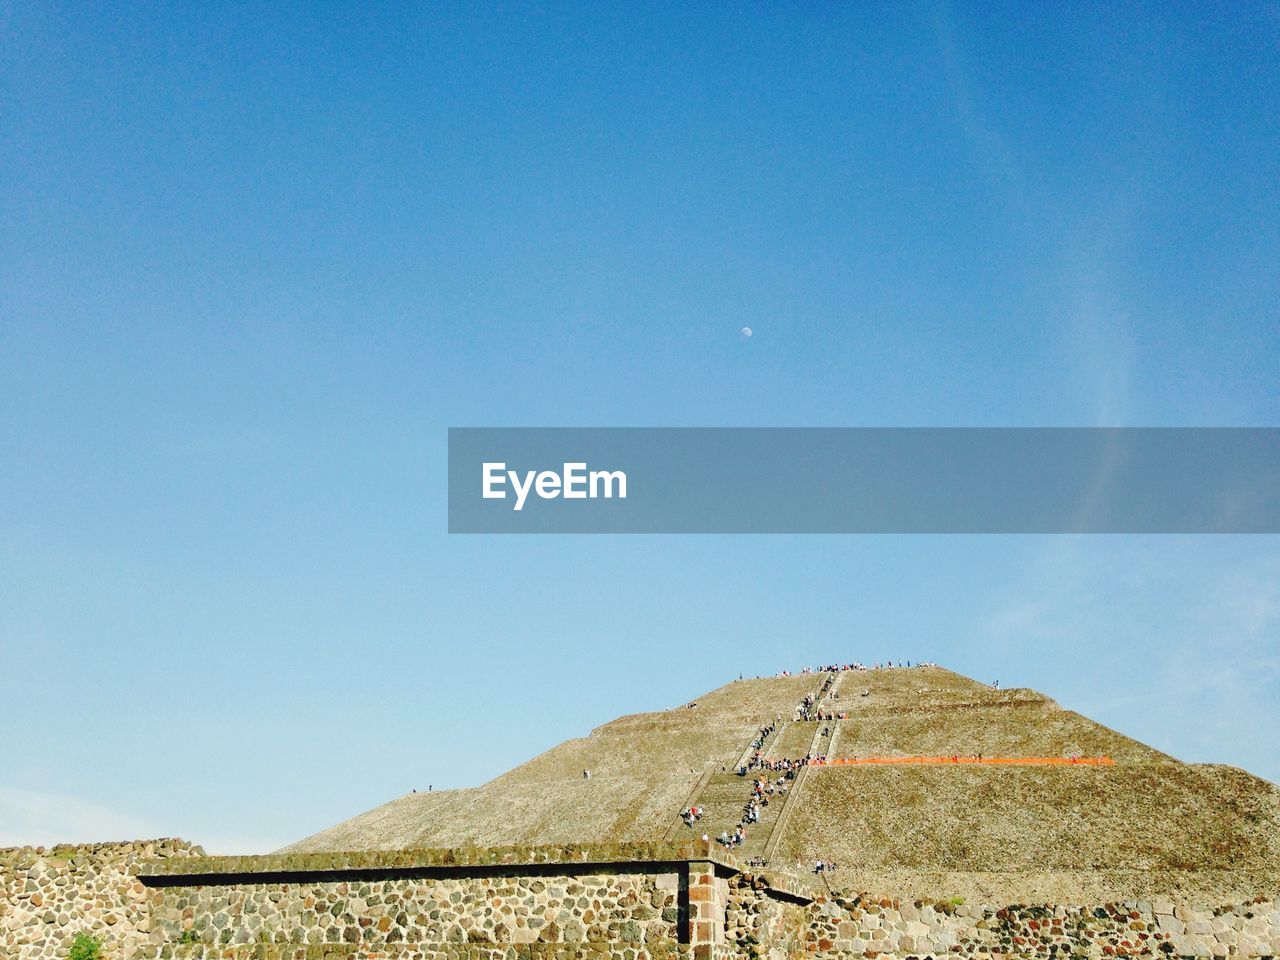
{"type": "Point", "coordinates": [1167, 822]}
{"type": "Point", "coordinates": [601, 810]}
{"type": "Point", "coordinates": [793, 740]}
{"type": "Point", "coordinates": [643, 768]}
{"type": "Point", "coordinates": [1016, 730]}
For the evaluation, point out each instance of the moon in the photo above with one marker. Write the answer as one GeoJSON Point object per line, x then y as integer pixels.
{"type": "Point", "coordinates": [746, 332]}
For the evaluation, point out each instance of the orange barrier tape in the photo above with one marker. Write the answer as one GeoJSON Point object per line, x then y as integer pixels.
{"type": "Point", "coordinates": [982, 761]}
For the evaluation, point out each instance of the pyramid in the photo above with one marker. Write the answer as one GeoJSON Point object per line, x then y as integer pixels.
{"type": "Point", "coordinates": [914, 815]}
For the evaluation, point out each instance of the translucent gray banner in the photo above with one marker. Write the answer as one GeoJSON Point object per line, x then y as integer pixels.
{"type": "Point", "coordinates": [864, 480]}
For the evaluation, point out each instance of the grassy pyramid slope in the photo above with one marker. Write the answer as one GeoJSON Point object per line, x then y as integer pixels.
{"type": "Point", "coordinates": [1149, 826]}
{"type": "Point", "coordinates": [1149, 830]}
{"type": "Point", "coordinates": [643, 768]}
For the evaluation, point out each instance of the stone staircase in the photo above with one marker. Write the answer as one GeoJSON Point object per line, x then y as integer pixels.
{"type": "Point", "coordinates": [759, 835]}
{"type": "Point", "coordinates": [679, 828]}
{"type": "Point", "coordinates": [837, 730]}
{"type": "Point", "coordinates": [791, 741]}
{"type": "Point", "coordinates": [723, 794]}
{"type": "Point", "coordinates": [764, 747]}
{"type": "Point", "coordinates": [724, 797]}
{"type": "Point", "coordinates": [700, 797]}
{"type": "Point", "coordinates": [784, 814]}
{"type": "Point", "coordinates": [825, 733]}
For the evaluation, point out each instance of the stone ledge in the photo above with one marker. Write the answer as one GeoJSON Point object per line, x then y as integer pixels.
{"type": "Point", "coordinates": [405, 951]}
{"type": "Point", "coordinates": [802, 888]}
{"type": "Point", "coordinates": [193, 869]}
{"type": "Point", "coordinates": [116, 850]}
{"type": "Point", "coordinates": [363, 860]}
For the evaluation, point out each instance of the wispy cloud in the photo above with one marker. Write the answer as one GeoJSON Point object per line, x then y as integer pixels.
{"type": "Point", "coordinates": [41, 818]}
{"type": "Point", "coordinates": [45, 818]}
{"type": "Point", "coordinates": [1173, 640]}
{"type": "Point", "coordinates": [1099, 343]}
{"type": "Point", "coordinates": [988, 147]}
{"type": "Point", "coordinates": [236, 844]}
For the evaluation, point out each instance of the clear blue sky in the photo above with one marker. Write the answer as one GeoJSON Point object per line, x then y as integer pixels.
{"type": "Point", "coordinates": [257, 259]}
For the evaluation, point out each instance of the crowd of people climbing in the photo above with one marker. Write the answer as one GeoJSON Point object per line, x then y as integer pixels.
{"type": "Point", "coordinates": [762, 789]}
{"type": "Point", "coordinates": [858, 665]}
{"type": "Point", "coordinates": [773, 777]}
{"type": "Point", "coordinates": [809, 709]}
{"type": "Point", "coordinates": [765, 787]}
{"type": "Point", "coordinates": [762, 735]}
{"type": "Point", "coordinates": [784, 765]}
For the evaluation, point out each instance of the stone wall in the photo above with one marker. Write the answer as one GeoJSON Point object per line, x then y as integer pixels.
{"type": "Point", "coordinates": [632, 908]}
{"type": "Point", "coordinates": [47, 896]}
{"type": "Point", "coordinates": [616, 902]}
{"type": "Point", "coordinates": [157, 900]}
{"type": "Point", "coordinates": [762, 922]}
{"type": "Point", "coordinates": [835, 928]}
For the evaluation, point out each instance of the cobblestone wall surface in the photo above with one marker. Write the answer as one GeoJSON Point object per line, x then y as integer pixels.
{"type": "Point", "coordinates": [47, 896]}
{"type": "Point", "coordinates": [835, 928]}
{"type": "Point", "coordinates": [759, 923]}
{"type": "Point", "coordinates": [159, 900]}
{"type": "Point", "coordinates": [630, 909]}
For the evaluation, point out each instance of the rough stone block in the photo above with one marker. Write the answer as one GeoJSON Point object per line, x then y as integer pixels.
{"type": "Point", "coordinates": [1167, 923]}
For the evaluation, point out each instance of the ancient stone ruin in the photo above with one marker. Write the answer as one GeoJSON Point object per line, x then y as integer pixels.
{"type": "Point", "coordinates": [899, 812]}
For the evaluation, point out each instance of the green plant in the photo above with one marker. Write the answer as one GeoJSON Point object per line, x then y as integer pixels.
{"type": "Point", "coordinates": [188, 936]}
{"type": "Point", "coordinates": [956, 901]}
{"type": "Point", "coordinates": [85, 947]}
